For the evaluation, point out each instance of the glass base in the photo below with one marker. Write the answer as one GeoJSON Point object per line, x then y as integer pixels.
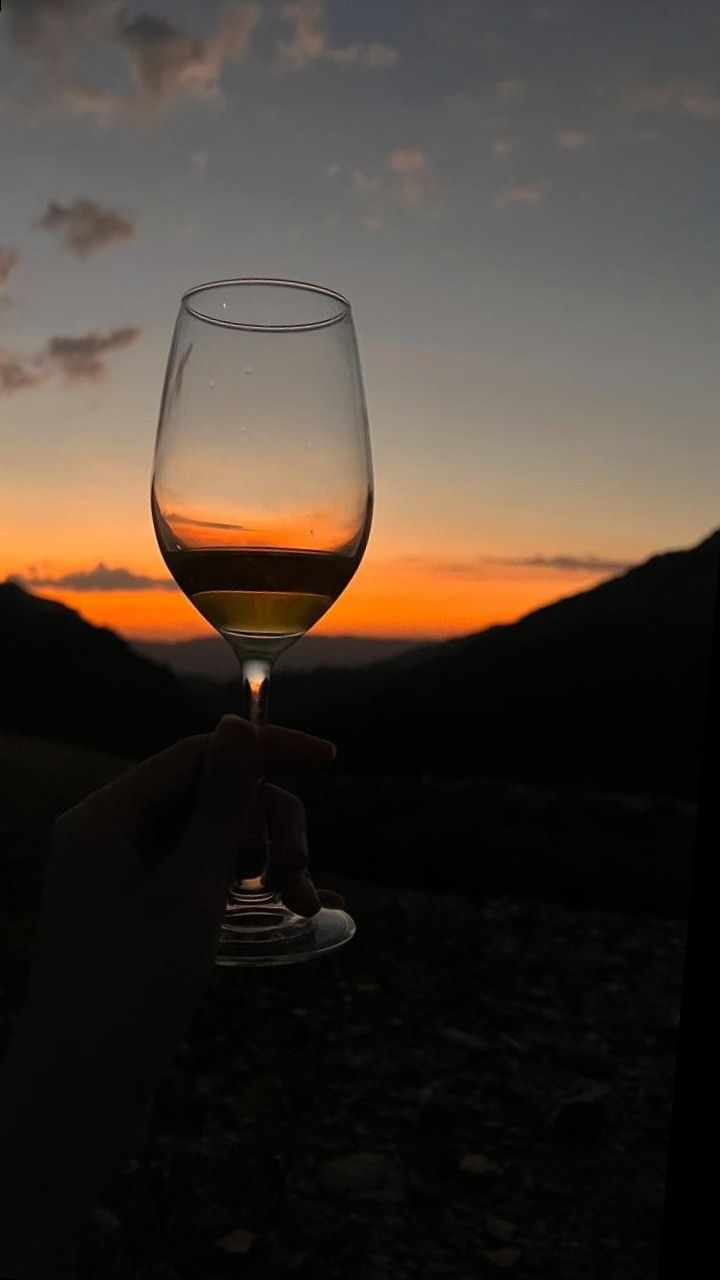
{"type": "Point", "coordinates": [267, 933]}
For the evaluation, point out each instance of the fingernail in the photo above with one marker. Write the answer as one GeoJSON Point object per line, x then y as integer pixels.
{"type": "Point", "coordinates": [332, 749]}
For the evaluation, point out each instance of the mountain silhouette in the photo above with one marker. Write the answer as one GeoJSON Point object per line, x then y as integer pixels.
{"type": "Point", "coordinates": [602, 690]}
{"type": "Point", "coordinates": [212, 658]}
{"type": "Point", "coordinates": [69, 681]}
{"type": "Point", "coordinates": [605, 689]}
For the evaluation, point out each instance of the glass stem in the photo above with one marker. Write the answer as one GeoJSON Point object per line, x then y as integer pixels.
{"type": "Point", "coordinates": [256, 687]}
{"type": "Point", "coordinates": [256, 682]}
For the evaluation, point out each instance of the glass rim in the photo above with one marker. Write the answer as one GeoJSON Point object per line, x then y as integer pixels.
{"type": "Point", "coordinates": [301, 327]}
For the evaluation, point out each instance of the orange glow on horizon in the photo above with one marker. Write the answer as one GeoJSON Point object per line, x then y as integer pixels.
{"type": "Point", "coordinates": [322, 530]}
{"type": "Point", "coordinates": [403, 597]}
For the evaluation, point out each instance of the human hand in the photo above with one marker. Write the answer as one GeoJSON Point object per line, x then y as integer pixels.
{"type": "Point", "coordinates": [129, 926]}
{"type": "Point", "coordinates": [139, 870]}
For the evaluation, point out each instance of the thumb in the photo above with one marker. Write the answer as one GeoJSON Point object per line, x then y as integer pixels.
{"type": "Point", "coordinates": [228, 785]}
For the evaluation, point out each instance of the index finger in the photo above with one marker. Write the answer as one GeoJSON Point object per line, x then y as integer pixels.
{"type": "Point", "coordinates": [171, 776]}
{"type": "Point", "coordinates": [281, 748]}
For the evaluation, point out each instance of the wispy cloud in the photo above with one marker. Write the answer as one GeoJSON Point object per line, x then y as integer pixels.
{"type": "Point", "coordinates": [686, 95]}
{"type": "Point", "coordinates": [574, 564]}
{"type": "Point", "coordinates": [52, 34]}
{"type": "Point", "coordinates": [83, 359]}
{"type": "Point", "coordinates": [495, 113]}
{"type": "Point", "coordinates": [571, 139]}
{"type": "Point", "coordinates": [80, 99]}
{"type": "Point", "coordinates": [84, 225]}
{"type": "Point", "coordinates": [167, 63]}
{"type": "Point", "coordinates": [100, 578]}
{"type": "Point", "coordinates": [20, 373]}
{"type": "Point", "coordinates": [34, 24]}
{"type": "Point", "coordinates": [403, 178]}
{"type": "Point", "coordinates": [310, 42]}
{"type": "Point", "coordinates": [513, 92]}
{"type": "Point", "coordinates": [481, 568]}
{"type": "Point", "coordinates": [366, 182]}
{"type": "Point", "coordinates": [373, 222]}
{"type": "Point", "coordinates": [548, 12]}
{"type": "Point", "coordinates": [504, 147]}
{"type": "Point", "coordinates": [381, 56]}
{"type": "Point", "coordinates": [9, 259]}
{"type": "Point", "coordinates": [494, 106]}
{"type": "Point", "coordinates": [199, 161]}
{"type": "Point", "coordinates": [528, 193]}
{"type": "Point", "coordinates": [413, 176]}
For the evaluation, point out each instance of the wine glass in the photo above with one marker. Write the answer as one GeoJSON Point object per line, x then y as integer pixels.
{"type": "Point", "coordinates": [262, 499]}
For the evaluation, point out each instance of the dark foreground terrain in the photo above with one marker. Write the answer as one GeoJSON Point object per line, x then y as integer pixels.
{"type": "Point", "coordinates": [466, 1089]}
{"type": "Point", "coordinates": [474, 1085]}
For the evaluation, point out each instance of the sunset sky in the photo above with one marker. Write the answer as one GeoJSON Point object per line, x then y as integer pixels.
{"type": "Point", "coordinates": [519, 197]}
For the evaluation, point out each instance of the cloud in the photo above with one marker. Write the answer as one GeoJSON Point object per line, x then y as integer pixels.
{"type": "Point", "coordinates": [77, 359]}
{"type": "Point", "coordinates": [477, 568]}
{"type": "Point", "coordinates": [83, 359]}
{"type": "Point", "coordinates": [101, 578]}
{"type": "Point", "coordinates": [20, 373]}
{"type": "Point", "coordinates": [548, 12]}
{"type": "Point", "coordinates": [80, 99]}
{"type": "Point", "coordinates": [571, 139]}
{"type": "Point", "coordinates": [84, 225]}
{"type": "Point", "coordinates": [574, 564]}
{"type": "Point", "coordinates": [699, 101]}
{"type": "Point", "coordinates": [199, 161]}
{"type": "Point", "coordinates": [414, 178]}
{"type": "Point", "coordinates": [408, 162]}
{"type": "Point", "coordinates": [404, 178]}
{"type": "Point", "coordinates": [532, 193]}
{"type": "Point", "coordinates": [167, 63]}
{"type": "Point", "coordinates": [9, 259]}
{"type": "Point", "coordinates": [310, 42]}
{"type": "Point", "coordinates": [366, 182]}
{"type": "Point", "coordinates": [481, 568]}
{"type": "Point", "coordinates": [373, 222]}
{"type": "Point", "coordinates": [380, 55]}
{"type": "Point", "coordinates": [52, 34]}
{"type": "Point", "coordinates": [687, 95]}
{"type": "Point", "coordinates": [36, 23]}
{"type": "Point", "coordinates": [512, 92]}
{"type": "Point", "coordinates": [504, 147]}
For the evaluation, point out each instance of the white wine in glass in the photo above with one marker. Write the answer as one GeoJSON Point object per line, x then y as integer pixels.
{"type": "Point", "coordinates": [261, 595]}
{"type": "Point", "coordinates": [262, 499]}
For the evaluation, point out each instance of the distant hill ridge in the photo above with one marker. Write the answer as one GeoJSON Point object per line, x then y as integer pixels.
{"type": "Point", "coordinates": [601, 689]}
{"type": "Point", "coordinates": [211, 658]}
{"type": "Point", "coordinates": [70, 681]}
{"type": "Point", "coordinates": [604, 689]}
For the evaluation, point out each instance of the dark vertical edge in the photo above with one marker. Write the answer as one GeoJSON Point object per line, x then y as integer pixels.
{"type": "Point", "coordinates": [689, 1227]}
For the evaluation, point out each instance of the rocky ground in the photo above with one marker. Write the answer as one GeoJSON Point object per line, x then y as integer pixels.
{"type": "Point", "coordinates": [468, 1088]}
{"type": "Point", "coordinates": [474, 1085]}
